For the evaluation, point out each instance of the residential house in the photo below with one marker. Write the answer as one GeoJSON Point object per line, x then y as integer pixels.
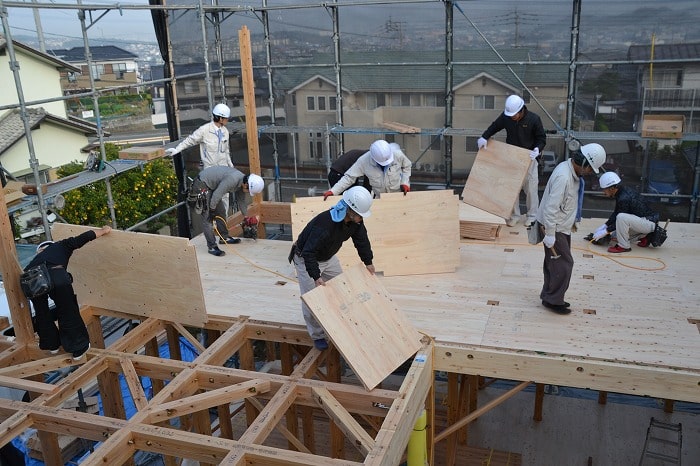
{"type": "Point", "coordinates": [57, 138]}
{"type": "Point", "coordinates": [409, 90]}
{"type": "Point", "coordinates": [111, 67]}
{"type": "Point", "coordinates": [669, 88]}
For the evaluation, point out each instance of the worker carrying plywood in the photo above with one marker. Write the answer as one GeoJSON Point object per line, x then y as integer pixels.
{"type": "Point", "coordinates": [385, 166]}
{"type": "Point", "coordinates": [314, 251]}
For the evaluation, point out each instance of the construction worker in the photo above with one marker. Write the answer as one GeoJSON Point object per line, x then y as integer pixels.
{"type": "Point", "coordinates": [212, 185]}
{"type": "Point", "coordinates": [342, 164]}
{"type": "Point", "coordinates": [314, 252]}
{"type": "Point", "coordinates": [632, 218]}
{"type": "Point", "coordinates": [386, 168]}
{"type": "Point", "coordinates": [523, 129]}
{"type": "Point", "coordinates": [71, 332]}
{"type": "Point", "coordinates": [561, 205]}
{"type": "Point", "coordinates": [213, 141]}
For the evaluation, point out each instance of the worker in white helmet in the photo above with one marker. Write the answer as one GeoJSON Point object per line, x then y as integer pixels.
{"type": "Point", "coordinates": [523, 129]}
{"type": "Point", "coordinates": [384, 166]}
{"type": "Point", "coordinates": [213, 141]}
{"type": "Point", "coordinates": [561, 205]}
{"type": "Point", "coordinates": [314, 251]}
{"type": "Point", "coordinates": [632, 219]}
{"type": "Point", "coordinates": [211, 186]}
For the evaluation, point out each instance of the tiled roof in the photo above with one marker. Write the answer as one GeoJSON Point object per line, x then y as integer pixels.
{"type": "Point", "coordinates": [99, 53]}
{"type": "Point", "coordinates": [12, 127]}
{"type": "Point", "coordinates": [405, 73]}
{"type": "Point", "coordinates": [665, 52]}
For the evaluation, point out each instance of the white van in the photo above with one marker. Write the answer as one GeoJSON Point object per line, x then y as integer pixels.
{"type": "Point", "coordinates": [549, 161]}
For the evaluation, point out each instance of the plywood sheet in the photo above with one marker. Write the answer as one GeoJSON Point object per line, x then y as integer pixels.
{"type": "Point", "coordinates": [362, 320]}
{"type": "Point", "coordinates": [413, 234]}
{"type": "Point", "coordinates": [496, 178]}
{"type": "Point", "coordinates": [139, 273]}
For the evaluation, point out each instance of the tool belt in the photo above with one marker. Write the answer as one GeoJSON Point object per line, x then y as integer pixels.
{"type": "Point", "coordinates": [36, 281]}
{"type": "Point", "coordinates": [294, 250]}
{"type": "Point", "coordinates": [198, 196]}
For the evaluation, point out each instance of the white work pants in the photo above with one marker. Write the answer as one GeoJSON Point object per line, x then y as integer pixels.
{"type": "Point", "coordinates": [532, 201]}
{"type": "Point", "coordinates": [631, 228]}
{"type": "Point", "coordinates": [329, 269]}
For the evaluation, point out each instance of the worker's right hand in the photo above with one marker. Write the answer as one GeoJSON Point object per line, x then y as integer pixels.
{"type": "Point", "coordinates": [549, 240]}
{"type": "Point", "coordinates": [481, 143]}
{"type": "Point", "coordinates": [326, 194]}
{"type": "Point", "coordinates": [601, 232]}
{"type": "Point", "coordinates": [319, 282]}
{"type": "Point", "coordinates": [170, 152]}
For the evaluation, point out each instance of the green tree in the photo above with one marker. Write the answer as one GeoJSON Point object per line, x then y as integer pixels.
{"type": "Point", "coordinates": [138, 194]}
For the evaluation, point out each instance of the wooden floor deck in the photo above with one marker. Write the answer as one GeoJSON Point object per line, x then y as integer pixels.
{"type": "Point", "coordinates": [634, 326]}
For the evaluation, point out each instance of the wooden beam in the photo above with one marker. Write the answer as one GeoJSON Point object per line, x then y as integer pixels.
{"type": "Point", "coordinates": [188, 336]}
{"type": "Point", "coordinates": [269, 417]}
{"type": "Point", "coordinates": [28, 385]}
{"type": "Point", "coordinates": [344, 420]}
{"type": "Point", "coordinates": [14, 426]}
{"type": "Point", "coordinates": [291, 438]}
{"type": "Point", "coordinates": [134, 384]}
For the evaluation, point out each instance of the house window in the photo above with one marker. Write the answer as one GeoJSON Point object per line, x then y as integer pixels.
{"type": "Point", "coordinates": [333, 103]}
{"type": "Point", "coordinates": [430, 142]}
{"type": "Point", "coordinates": [415, 100]}
{"type": "Point", "coordinates": [315, 145]}
{"type": "Point", "coordinates": [97, 71]}
{"type": "Point", "coordinates": [191, 87]}
{"type": "Point", "coordinates": [484, 102]}
{"type": "Point", "coordinates": [294, 100]}
{"type": "Point", "coordinates": [321, 103]}
{"type": "Point", "coordinates": [400, 99]}
{"type": "Point", "coordinates": [431, 100]}
{"type": "Point", "coordinates": [311, 103]}
{"type": "Point", "coordinates": [72, 77]}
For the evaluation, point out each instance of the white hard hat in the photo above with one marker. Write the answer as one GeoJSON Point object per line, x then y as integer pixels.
{"type": "Point", "coordinates": [221, 110]}
{"type": "Point", "coordinates": [359, 200]}
{"type": "Point", "coordinates": [594, 154]}
{"type": "Point", "coordinates": [255, 184]}
{"type": "Point", "coordinates": [514, 103]}
{"type": "Point", "coordinates": [609, 179]}
{"type": "Point", "coordinates": [381, 152]}
{"type": "Point", "coordinates": [43, 244]}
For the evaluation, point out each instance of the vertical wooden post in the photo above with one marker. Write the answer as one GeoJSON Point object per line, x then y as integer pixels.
{"type": "Point", "coordinates": [251, 119]}
{"type": "Point", "coordinates": [452, 411]}
{"type": "Point", "coordinates": [292, 417]}
{"type": "Point", "coordinates": [11, 270]}
{"type": "Point", "coordinates": [539, 401]}
{"type": "Point", "coordinates": [333, 368]}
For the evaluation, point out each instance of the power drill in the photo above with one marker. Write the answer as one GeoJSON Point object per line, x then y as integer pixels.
{"type": "Point", "coordinates": [250, 227]}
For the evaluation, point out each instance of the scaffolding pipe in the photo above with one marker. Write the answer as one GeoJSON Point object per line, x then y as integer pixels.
{"type": "Point", "coordinates": [271, 101]}
{"type": "Point", "coordinates": [449, 87]}
{"type": "Point", "coordinates": [573, 55]}
{"type": "Point", "coordinates": [205, 48]}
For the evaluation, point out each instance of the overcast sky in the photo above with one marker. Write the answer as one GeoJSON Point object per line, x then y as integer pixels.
{"type": "Point", "coordinates": [136, 25]}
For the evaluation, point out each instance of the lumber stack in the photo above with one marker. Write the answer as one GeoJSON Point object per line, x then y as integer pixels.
{"type": "Point", "coordinates": [13, 192]}
{"type": "Point", "coordinates": [141, 153]}
{"type": "Point", "coordinates": [475, 223]}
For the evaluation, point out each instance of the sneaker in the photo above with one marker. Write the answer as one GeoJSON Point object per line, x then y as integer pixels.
{"type": "Point", "coordinates": [230, 240]}
{"type": "Point", "coordinates": [643, 243]}
{"type": "Point", "coordinates": [562, 309]}
{"type": "Point", "coordinates": [55, 351]}
{"type": "Point", "coordinates": [215, 251]}
{"type": "Point", "coordinates": [321, 344]}
{"type": "Point", "coordinates": [617, 248]}
{"type": "Point", "coordinates": [78, 355]}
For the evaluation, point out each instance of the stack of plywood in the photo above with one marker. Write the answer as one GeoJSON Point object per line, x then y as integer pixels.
{"type": "Point", "coordinates": [13, 192]}
{"type": "Point", "coordinates": [141, 153]}
{"type": "Point", "coordinates": [475, 223]}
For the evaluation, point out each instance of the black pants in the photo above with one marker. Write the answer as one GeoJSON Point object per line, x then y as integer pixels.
{"type": "Point", "coordinates": [71, 332]}
{"type": "Point", "coordinates": [335, 176]}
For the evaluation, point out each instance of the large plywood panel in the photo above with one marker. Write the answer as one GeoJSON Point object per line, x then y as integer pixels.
{"type": "Point", "coordinates": [138, 273]}
{"type": "Point", "coordinates": [413, 234]}
{"type": "Point", "coordinates": [496, 178]}
{"type": "Point", "coordinates": [362, 320]}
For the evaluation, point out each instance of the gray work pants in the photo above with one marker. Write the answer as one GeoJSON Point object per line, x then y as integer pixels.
{"type": "Point", "coordinates": [531, 188]}
{"type": "Point", "coordinates": [557, 272]}
{"type": "Point", "coordinates": [630, 227]}
{"type": "Point", "coordinates": [329, 269]}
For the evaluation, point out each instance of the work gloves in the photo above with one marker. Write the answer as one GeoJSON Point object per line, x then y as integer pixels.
{"type": "Point", "coordinates": [548, 241]}
{"type": "Point", "coordinates": [326, 194]}
{"type": "Point", "coordinates": [405, 189]}
{"type": "Point", "coordinates": [170, 152]}
{"type": "Point", "coordinates": [601, 232]}
{"type": "Point", "coordinates": [481, 143]}
{"type": "Point", "coordinates": [535, 153]}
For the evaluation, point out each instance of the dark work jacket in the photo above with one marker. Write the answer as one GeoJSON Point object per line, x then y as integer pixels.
{"type": "Point", "coordinates": [322, 238]}
{"type": "Point", "coordinates": [527, 133]}
{"type": "Point", "coordinates": [347, 160]}
{"type": "Point", "coordinates": [629, 201]}
{"type": "Point", "coordinates": [59, 252]}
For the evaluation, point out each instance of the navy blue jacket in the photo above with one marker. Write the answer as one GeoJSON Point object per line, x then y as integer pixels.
{"type": "Point", "coordinates": [629, 201]}
{"type": "Point", "coordinates": [59, 253]}
{"type": "Point", "coordinates": [527, 133]}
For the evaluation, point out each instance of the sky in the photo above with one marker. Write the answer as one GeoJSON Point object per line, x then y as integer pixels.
{"type": "Point", "coordinates": [136, 25]}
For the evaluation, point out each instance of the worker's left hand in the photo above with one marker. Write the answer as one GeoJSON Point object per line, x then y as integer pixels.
{"type": "Point", "coordinates": [535, 153]}
{"type": "Point", "coordinates": [370, 268]}
{"type": "Point", "coordinates": [405, 189]}
{"type": "Point", "coordinates": [319, 282]}
{"type": "Point", "coordinates": [601, 232]}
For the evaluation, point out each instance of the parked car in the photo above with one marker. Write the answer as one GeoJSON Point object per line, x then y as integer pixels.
{"type": "Point", "coordinates": [662, 181]}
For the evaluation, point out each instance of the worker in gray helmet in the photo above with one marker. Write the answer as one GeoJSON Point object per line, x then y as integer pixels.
{"type": "Point", "coordinates": [632, 219]}
{"type": "Point", "coordinates": [384, 166]}
{"type": "Point", "coordinates": [523, 129]}
{"type": "Point", "coordinates": [559, 209]}
{"type": "Point", "coordinates": [314, 251]}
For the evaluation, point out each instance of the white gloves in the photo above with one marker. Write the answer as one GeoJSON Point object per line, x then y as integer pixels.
{"type": "Point", "coordinates": [481, 143]}
{"type": "Point", "coordinates": [600, 232]}
{"type": "Point", "coordinates": [170, 152]}
{"type": "Point", "coordinates": [535, 153]}
{"type": "Point", "coordinates": [549, 240]}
